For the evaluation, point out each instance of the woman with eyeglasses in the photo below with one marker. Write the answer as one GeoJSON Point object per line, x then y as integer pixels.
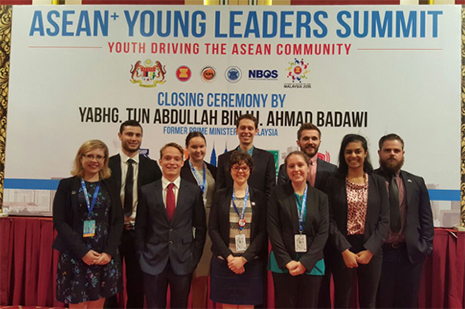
{"type": "Point", "coordinates": [87, 214]}
{"type": "Point", "coordinates": [237, 228]}
{"type": "Point", "coordinates": [359, 223]}
{"type": "Point", "coordinates": [203, 174]}
{"type": "Point", "coordinates": [298, 222]}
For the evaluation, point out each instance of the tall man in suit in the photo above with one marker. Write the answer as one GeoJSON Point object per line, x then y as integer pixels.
{"type": "Point", "coordinates": [309, 141]}
{"type": "Point", "coordinates": [411, 230]}
{"type": "Point", "coordinates": [130, 171]}
{"type": "Point", "coordinates": [170, 232]}
{"type": "Point", "coordinates": [263, 177]}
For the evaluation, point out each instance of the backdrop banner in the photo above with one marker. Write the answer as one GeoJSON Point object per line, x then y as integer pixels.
{"type": "Point", "coordinates": [78, 72]}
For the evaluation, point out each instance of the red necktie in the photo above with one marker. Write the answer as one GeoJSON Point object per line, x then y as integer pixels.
{"type": "Point", "coordinates": [170, 201]}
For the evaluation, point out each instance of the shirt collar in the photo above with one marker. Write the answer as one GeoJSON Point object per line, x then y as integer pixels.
{"type": "Point", "coordinates": [165, 182]}
{"type": "Point", "coordinates": [313, 160]}
{"type": "Point", "coordinates": [250, 151]}
{"type": "Point", "coordinates": [125, 158]}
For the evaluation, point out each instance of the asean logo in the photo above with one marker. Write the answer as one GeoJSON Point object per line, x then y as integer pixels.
{"type": "Point", "coordinates": [148, 74]}
{"type": "Point", "coordinates": [298, 70]}
{"type": "Point", "coordinates": [233, 74]}
{"type": "Point", "coordinates": [208, 74]}
{"type": "Point", "coordinates": [183, 73]}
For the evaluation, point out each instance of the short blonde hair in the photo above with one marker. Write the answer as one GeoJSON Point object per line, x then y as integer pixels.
{"type": "Point", "coordinates": [174, 145]}
{"type": "Point", "coordinates": [88, 146]}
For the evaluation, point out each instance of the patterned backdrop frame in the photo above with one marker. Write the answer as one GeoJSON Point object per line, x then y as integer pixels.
{"type": "Point", "coordinates": [5, 47]}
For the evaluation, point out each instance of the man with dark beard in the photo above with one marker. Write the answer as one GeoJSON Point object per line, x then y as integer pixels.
{"type": "Point", "coordinates": [411, 230]}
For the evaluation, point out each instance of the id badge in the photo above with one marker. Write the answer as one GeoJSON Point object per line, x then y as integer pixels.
{"type": "Point", "coordinates": [240, 243]}
{"type": "Point", "coordinates": [300, 243]}
{"type": "Point", "coordinates": [89, 228]}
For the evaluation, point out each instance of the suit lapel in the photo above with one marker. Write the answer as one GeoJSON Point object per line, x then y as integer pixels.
{"type": "Point", "coordinates": [141, 172]}
{"type": "Point", "coordinates": [408, 188]}
{"type": "Point", "coordinates": [371, 212]}
{"type": "Point", "coordinates": [116, 170]}
{"type": "Point", "coordinates": [319, 169]}
{"type": "Point", "coordinates": [182, 193]}
{"type": "Point", "coordinates": [291, 204]}
{"type": "Point", "coordinates": [159, 199]}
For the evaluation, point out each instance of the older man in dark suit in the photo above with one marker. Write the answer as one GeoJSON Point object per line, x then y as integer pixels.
{"type": "Point", "coordinates": [411, 230]}
{"type": "Point", "coordinates": [170, 232]}
{"type": "Point", "coordinates": [130, 171]}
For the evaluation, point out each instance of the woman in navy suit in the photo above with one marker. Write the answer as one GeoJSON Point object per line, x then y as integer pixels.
{"type": "Point", "coordinates": [88, 216]}
{"type": "Point", "coordinates": [237, 228]}
{"type": "Point", "coordinates": [359, 223]}
{"type": "Point", "coordinates": [199, 172]}
{"type": "Point", "coordinates": [298, 230]}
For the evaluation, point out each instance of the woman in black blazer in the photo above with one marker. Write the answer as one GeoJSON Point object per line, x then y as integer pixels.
{"type": "Point", "coordinates": [203, 174]}
{"type": "Point", "coordinates": [359, 223]}
{"type": "Point", "coordinates": [239, 239]}
{"type": "Point", "coordinates": [88, 216]}
{"type": "Point", "coordinates": [298, 230]}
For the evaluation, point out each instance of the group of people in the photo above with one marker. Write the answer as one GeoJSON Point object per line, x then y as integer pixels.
{"type": "Point", "coordinates": [347, 221]}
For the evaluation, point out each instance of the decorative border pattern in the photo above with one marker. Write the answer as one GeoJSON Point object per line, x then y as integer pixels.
{"type": "Point", "coordinates": [5, 48]}
{"type": "Point", "coordinates": [462, 129]}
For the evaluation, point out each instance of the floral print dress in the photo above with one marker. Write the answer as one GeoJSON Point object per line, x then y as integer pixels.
{"type": "Point", "coordinates": [78, 282]}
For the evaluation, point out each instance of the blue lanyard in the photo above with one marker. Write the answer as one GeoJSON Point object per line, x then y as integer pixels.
{"type": "Point", "coordinates": [90, 206]}
{"type": "Point", "coordinates": [202, 187]}
{"type": "Point", "coordinates": [302, 211]}
{"type": "Point", "coordinates": [241, 216]}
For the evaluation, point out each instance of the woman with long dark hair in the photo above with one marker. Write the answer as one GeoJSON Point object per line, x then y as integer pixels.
{"type": "Point", "coordinates": [359, 223]}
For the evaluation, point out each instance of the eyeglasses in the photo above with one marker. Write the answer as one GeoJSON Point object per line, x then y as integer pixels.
{"type": "Point", "coordinates": [93, 157]}
{"type": "Point", "coordinates": [238, 168]}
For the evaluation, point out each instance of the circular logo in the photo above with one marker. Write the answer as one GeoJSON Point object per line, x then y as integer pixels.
{"type": "Point", "coordinates": [208, 74]}
{"type": "Point", "coordinates": [183, 73]}
{"type": "Point", "coordinates": [298, 70]}
{"type": "Point", "coordinates": [233, 74]}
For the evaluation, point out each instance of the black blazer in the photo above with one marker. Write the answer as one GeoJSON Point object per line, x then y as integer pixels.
{"type": "Point", "coordinates": [67, 220]}
{"type": "Point", "coordinates": [148, 170]}
{"type": "Point", "coordinates": [158, 240]}
{"type": "Point", "coordinates": [283, 225]}
{"type": "Point", "coordinates": [377, 218]}
{"type": "Point", "coordinates": [186, 172]}
{"type": "Point", "coordinates": [262, 178]}
{"type": "Point", "coordinates": [419, 229]}
{"type": "Point", "coordinates": [218, 224]}
{"type": "Point", "coordinates": [323, 171]}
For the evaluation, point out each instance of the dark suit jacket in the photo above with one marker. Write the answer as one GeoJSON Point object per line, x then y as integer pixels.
{"type": "Point", "coordinates": [67, 218]}
{"type": "Point", "coordinates": [323, 171]}
{"type": "Point", "coordinates": [419, 230]}
{"type": "Point", "coordinates": [262, 178]}
{"type": "Point", "coordinates": [186, 172]}
{"type": "Point", "coordinates": [158, 240]}
{"type": "Point", "coordinates": [218, 226]}
{"type": "Point", "coordinates": [377, 218]}
{"type": "Point", "coordinates": [283, 224]}
{"type": "Point", "coordinates": [148, 170]}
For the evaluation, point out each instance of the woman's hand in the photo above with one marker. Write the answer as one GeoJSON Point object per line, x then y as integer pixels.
{"type": "Point", "coordinates": [364, 257]}
{"type": "Point", "coordinates": [104, 259]}
{"type": "Point", "coordinates": [299, 270]}
{"type": "Point", "coordinates": [236, 264]}
{"type": "Point", "coordinates": [91, 257]}
{"type": "Point", "coordinates": [292, 265]}
{"type": "Point", "coordinates": [350, 259]}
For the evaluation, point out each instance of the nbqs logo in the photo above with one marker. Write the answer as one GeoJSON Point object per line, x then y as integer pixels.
{"type": "Point", "coordinates": [297, 70]}
{"type": "Point", "coordinates": [148, 74]}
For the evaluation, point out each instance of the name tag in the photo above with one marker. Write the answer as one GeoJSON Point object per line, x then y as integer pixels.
{"type": "Point", "coordinates": [89, 228]}
{"type": "Point", "coordinates": [241, 245]}
{"type": "Point", "coordinates": [300, 243]}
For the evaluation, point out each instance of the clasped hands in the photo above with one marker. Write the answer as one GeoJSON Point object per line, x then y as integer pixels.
{"type": "Point", "coordinates": [236, 264]}
{"type": "Point", "coordinates": [352, 260]}
{"type": "Point", "coordinates": [295, 268]}
{"type": "Point", "coordinates": [94, 258]}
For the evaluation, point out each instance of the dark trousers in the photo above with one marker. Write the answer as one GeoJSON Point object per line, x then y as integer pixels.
{"type": "Point", "coordinates": [157, 286]}
{"type": "Point", "coordinates": [324, 299]}
{"type": "Point", "coordinates": [367, 276]}
{"type": "Point", "coordinates": [134, 282]}
{"type": "Point", "coordinates": [296, 292]}
{"type": "Point", "coordinates": [400, 279]}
